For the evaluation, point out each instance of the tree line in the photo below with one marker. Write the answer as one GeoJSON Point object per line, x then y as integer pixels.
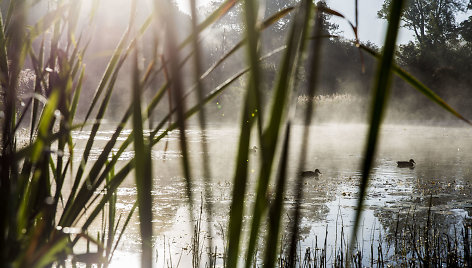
{"type": "Point", "coordinates": [440, 56]}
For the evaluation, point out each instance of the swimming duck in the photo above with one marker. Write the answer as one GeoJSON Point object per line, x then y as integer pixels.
{"type": "Point", "coordinates": [404, 164]}
{"type": "Point", "coordinates": [253, 149]}
{"type": "Point", "coordinates": [311, 174]}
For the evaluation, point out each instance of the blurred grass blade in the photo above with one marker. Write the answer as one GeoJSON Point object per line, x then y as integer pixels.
{"type": "Point", "coordinates": [75, 99]}
{"type": "Point", "coordinates": [276, 207]}
{"type": "Point", "coordinates": [314, 60]}
{"type": "Point", "coordinates": [415, 83]}
{"type": "Point", "coordinates": [381, 91]}
{"type": "Point", "coordinates": [251, 22]}
{"type": "Point", "coordinates": [249, 115]}
{"type": "Point", "coordinates": [240, 182]}
{"type": "Point", "coordinates": [202, 120]}
{"type": "Point", "coordinates": [171, 49]}
{"type": "Point", "coordinates": [270, 136]}
{"type": "Point", "coordinates": [143, 171]}
{"type": "Point", "coordinates": [38, 66]}
{"type": "Point", "coordinates": [111, 216]}
{"type": "Point", "coordinates": [28, 199]}
{"type": "Point", "coordinates": [44, 125]}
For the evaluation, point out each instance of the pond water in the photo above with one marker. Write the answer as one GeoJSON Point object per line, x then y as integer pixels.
{"type": "Point", "coordinates": [442, 176]}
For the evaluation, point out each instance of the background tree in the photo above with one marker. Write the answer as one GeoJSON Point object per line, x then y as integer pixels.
{"type": "Point", "coordinates": [432, 21]}
{"type": "Point", "coordinates": [441, 53]}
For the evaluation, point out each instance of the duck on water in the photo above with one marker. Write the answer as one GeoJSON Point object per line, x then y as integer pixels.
{"type": "Point", "coordinates": [406, 164]}
{"type": "Point", "coordinates": [311, 174]}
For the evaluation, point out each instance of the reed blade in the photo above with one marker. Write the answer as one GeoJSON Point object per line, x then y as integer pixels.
{"type": "Point", "coordinates": [270, 136]}
{"type": "Point", "coordinates": [240, 183]}
{"type": "Point", "coordinates": [314, 60]}
{"type": "Point", "coordinates": [381, 93]}
{"type": "Point", "coordinates": [251, 104]}
{"type": "Point", "coordinates": [143, 171]}
{"type": "Point", "coordinates": [276, 207]}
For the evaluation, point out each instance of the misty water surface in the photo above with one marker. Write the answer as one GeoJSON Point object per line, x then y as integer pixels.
{"type": "Point", "coordinates": [443, 158]}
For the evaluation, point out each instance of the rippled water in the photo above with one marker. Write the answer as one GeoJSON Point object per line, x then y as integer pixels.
{"type": "Point", "coordinates": [443, 171]}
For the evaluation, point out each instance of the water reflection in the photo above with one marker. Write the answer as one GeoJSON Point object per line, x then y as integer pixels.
{"type": "Point", "coordinates": [442, 171]}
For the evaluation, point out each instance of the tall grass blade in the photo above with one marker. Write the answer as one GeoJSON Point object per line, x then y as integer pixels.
{"type": "Point", "coordinates": [172, 51]}
{"type": "Point", "coordinates": [28, 200]}
{"type": "Point", "coordinates": [314, 60]}
{"type": "Point", "coordinates": [240, 182]}
{"type": "Point", "coordinates": [250, 113]}
{"type": "Point", "coordinates": [276, 207]}
{"type": "Point", "coordinates": [12, 54]}
{"type": "Point", "coordinates": [38, 66]}
{"type": "Point", "coordinates": [251, 22]}
{"type": "Point", "coordinates": [381, 90]}
{"type": "Point", "coordinates": [270, 135]}
{"type": "Point", "coordinates": [143, 171]}
{"type": "Point", "coordinates": [111, 217]}
{"type": "Point", "coordinates": [75, 99]}
{"type": "Point", "coordinates": [202, 121]}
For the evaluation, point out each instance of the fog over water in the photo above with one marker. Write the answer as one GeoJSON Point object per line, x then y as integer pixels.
{"type": "Point", "coordinates": [442, 172]}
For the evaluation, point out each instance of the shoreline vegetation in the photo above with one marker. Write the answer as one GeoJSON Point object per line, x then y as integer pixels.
{"type": "Point", "coordinates": [64, 66]}
{"type": "Point", "coordinates": [413, 239]}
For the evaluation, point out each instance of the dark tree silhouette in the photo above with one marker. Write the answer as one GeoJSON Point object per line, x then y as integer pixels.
{"type": "Point", "coordinates": [432, 21]}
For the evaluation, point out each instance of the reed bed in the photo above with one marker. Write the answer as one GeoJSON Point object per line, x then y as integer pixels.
{"type": "Point", "coordinates": [42, 223]}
